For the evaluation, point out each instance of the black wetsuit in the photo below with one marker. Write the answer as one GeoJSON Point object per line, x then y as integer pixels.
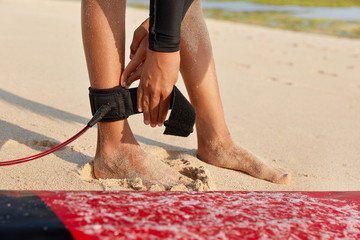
{"type": "Point", "coordinates": [165, 24]}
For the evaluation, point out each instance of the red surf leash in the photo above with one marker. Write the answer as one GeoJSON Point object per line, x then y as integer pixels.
{"type": "Point", "coordinates": [100, 113]}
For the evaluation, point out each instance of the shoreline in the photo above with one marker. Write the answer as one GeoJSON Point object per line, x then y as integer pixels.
{"type": "Point", "coordinates": [282, 20]}
{"type": "Point", "coordinates": [309, 3]}
{"type": "Point", "coordinates": [285, 21]}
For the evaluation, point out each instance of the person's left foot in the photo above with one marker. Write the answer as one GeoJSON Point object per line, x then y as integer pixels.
{"type": "Point", "coordinates": [234, 157]}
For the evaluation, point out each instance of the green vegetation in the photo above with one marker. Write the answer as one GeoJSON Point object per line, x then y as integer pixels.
{"type": "Point", "coordinates": [284, 20]}
{"type": "Point", "coordinates": [135, 5]}
{"type": "Point", "coordinates": [312, 3]}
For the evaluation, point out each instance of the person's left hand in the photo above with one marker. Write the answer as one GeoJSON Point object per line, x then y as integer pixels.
{"type": "Point", "coordinates": [138, 51]}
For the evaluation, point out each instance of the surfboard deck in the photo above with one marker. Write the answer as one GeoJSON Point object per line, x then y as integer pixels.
{"type": "Point", "coordinates": [179, 215]}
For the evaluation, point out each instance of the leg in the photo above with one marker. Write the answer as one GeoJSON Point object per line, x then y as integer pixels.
{"type": "Point", "coordinates": [215, 145]}
{"type": "Point", "coordinates": [118, 155]}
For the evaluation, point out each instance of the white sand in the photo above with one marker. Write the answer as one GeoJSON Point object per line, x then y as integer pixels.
{"type": "Point", "coordinates": [292, 98]}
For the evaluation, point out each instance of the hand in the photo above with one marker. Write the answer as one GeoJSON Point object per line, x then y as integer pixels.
{"type": "Point", "coordinates": [138, 51]}
{"type": "Point", "coordinates": [158, 77]}
{"type": "Point", "coordinates": [158, 73]}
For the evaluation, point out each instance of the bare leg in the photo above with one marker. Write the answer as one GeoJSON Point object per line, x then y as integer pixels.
{"type": "Point", "coordinates": [215, 145]}
{"type": "Point", "coordinates": [118, 155]}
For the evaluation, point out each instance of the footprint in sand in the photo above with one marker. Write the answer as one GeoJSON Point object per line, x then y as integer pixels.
{"type": "Point", "coordinates": [286, 63]}
{"type": "Point", "coordinates": [19, 148]}
{"type": "Point", "coordinates": [322, 72]}
{"type": "Point", "coordinates": [31, 143]}
{"type": "Point", "coordinates": [353, 68]}
{"type": "Point", "coordinates": [246, 66]}
{"type": "Point", "coordinates": [46, 144]}
{"type": "Point", "coordinates": [202, 180]}
{"type": "Point", "coordinates": [306, 175]}
{"type": "Point", "coordinates": [41, 143]}
{"type": "Point", "coordinates": [274, 79]}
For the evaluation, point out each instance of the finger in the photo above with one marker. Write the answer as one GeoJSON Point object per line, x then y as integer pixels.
{"type": "Point", "coordinates": [163, 110]}
{"type": "Point", "coordinates": [145, 108]}
{"type": "Point", "coordinates": [154, 110]}
{"type": "Point", "coordinates": [130, 68]}
{"type": "Point", "coordinates": [140, 93]}
{"type": "Point", "coordinates": [139, 34]}
{"type": "Point", "coordinates": [134, 75]}
{"type": "Point", "coordinates": [134, 44]}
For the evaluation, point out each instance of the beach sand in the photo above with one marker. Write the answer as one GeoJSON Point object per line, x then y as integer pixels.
{"type": "Point", "coordinates": [291, 98]}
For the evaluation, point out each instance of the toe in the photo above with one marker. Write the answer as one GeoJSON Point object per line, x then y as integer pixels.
{"type": "Point", "coordinates": [283, 179]}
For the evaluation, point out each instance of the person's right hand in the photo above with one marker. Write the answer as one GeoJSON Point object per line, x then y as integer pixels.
{"type": "Point", "coordinates": [158, 73]}
{"type": "Point", "coordinates": [158, 77]}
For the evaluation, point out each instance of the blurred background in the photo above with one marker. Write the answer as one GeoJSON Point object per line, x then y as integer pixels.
{"type": "Point", "coordinates": [332, 17]}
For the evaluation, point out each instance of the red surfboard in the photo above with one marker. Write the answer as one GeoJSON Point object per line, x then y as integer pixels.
{"type": "Point", "coordinates": [179, 215]}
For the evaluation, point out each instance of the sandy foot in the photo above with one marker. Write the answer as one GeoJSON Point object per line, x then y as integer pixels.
{"type": "Point", "coordinates": [237, 158]}
{"type": "Point", "coordinates": [200, 178]}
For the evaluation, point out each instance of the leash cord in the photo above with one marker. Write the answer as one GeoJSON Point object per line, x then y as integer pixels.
{"type": "Point", "coordinates": [100, 113]}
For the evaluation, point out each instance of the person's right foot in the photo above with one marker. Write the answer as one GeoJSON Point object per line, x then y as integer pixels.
{"type": "Point", "coordinates": [130, 161]}
{"type": "Point", "coordinates": [119, 156]}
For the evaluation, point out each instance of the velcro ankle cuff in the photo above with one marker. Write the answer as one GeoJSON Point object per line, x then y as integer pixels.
{"type": "Point", "coordinates": [123, 103]}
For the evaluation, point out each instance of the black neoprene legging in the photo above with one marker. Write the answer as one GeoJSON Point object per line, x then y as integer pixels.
{"type": "Point", "coordinates": [165, 24]}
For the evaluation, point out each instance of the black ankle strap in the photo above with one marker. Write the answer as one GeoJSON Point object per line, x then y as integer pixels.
{"type": "Point", "coordinates": [123, 104]}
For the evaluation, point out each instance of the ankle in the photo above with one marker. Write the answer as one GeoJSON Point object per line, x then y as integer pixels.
{"type": "Point", "coordinates": [208, 132]}
{"type": "Point", "coordinates": [112, 136]}
{"type": "Point", "coordinates": [212, 142]}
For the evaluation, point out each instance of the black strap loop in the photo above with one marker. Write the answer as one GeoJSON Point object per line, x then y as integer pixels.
{"type": "Point", "coordinates": [123, 103]}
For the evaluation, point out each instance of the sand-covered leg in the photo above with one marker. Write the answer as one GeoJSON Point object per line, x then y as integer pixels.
{"type": "Point", "coordinates": [118, 155]}
{"type": "Point", "coordinates": [215, 145]}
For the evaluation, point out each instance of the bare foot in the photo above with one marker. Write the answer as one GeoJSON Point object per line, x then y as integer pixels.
{"type": "Point", "coordinates": [119, 156]}
{"type": "Point", "coordinates": [233, 157]}
{"type": "Point", "coordinates": [130, 161]}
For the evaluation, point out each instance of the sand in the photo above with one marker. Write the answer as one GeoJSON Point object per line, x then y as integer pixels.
{"type": "Point", "coordinates": [291, 98]}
